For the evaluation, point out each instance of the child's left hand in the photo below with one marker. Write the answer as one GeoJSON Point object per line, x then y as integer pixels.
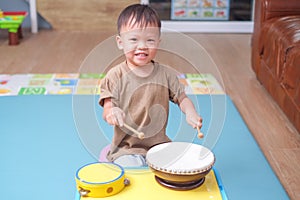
{"type": "Point", "coordinates": [194, 120]}
{"type": "Point", "coordinates": [192, 116]}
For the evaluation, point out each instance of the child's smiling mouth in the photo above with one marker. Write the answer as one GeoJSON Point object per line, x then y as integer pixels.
{"type": "Point", "coordinates": [141, 54]}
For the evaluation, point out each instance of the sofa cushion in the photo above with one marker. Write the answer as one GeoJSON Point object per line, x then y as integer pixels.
{"type": "Point", "coordinates": [279, 36]}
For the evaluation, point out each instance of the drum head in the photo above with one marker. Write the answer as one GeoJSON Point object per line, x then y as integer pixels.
{"type": "Point", "coordinates": [180, 158]}
{"type": "Point", "coordinates": [99, 173]}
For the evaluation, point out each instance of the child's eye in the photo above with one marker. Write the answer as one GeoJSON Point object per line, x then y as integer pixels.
{"type": "Point", "coordinates": [133, 39]}
{"type": "Point", "coordinates": [151, 40]}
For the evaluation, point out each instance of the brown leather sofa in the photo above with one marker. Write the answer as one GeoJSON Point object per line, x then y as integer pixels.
{"type": "Point", "coordinates": [276, 53]}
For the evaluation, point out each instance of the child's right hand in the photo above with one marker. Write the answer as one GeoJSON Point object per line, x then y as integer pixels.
{"type": "Point", "coordinates": [115, 116]}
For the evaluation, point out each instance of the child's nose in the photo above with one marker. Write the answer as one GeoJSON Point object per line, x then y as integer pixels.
{"type": "Point", "coordinates": [142, 45]}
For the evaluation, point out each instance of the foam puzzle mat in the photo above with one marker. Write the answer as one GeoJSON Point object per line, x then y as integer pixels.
{"type": "Point", "coordinates": [88, 84]}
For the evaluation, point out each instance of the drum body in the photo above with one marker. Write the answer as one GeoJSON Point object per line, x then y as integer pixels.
{"type": "Point", "coordinates": [180, 162]}
{"type": "Point", "coordinates": [100, 180]}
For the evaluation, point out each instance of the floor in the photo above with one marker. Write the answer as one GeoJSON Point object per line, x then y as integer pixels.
{"type": "Point", "coordinates": [52, 51]}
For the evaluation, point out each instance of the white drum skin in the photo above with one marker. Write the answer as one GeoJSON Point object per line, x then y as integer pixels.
{"type": "Point", "coordinates": [180, 161]}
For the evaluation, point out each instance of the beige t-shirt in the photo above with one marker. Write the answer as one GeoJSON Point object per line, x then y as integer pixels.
{"type": "Point", "coordinates": [145, 100]}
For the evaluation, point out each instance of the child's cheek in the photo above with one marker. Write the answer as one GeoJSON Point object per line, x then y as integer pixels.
{"type": "Point", "coordinates": [129, 49]}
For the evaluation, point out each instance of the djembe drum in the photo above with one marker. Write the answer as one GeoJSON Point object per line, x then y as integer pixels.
{"type": "Point", "coordinates": [180, 165]}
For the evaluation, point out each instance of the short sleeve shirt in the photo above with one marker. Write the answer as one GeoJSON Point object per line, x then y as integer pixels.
{"type": "Point", "coordinates": [145, 101]}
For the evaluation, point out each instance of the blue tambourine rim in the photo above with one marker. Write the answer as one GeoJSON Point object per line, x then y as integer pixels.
{"type": "Point", "coordinates": [97, 183]}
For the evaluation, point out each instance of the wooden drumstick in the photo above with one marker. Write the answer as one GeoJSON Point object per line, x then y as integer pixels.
{"type": "Point", "coordinates": [140, 135]}
{"type": "Point", "coordinates": [200, 134]}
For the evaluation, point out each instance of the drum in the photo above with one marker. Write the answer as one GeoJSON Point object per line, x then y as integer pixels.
{"type": "Point", "coordinates": [180, 165]}
{"type": "Point", "coordinates": [100, 179]}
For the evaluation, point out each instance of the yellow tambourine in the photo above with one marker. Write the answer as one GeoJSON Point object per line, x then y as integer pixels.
{"type": "Point", "coordinates": [100, 180]}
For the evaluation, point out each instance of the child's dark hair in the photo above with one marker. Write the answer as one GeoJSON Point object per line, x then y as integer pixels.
{"type": "Point", "coordinates": [140, 14]}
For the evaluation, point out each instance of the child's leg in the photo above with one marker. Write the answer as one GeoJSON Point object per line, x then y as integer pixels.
{"type": "Point", "coordinates": [134, 160]}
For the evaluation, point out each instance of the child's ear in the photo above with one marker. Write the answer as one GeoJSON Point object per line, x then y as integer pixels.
{"type": "Point", "coordinates": [119, 42]}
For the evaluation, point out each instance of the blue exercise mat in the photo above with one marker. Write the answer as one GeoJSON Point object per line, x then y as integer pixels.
{"type": "Point", "coordinates": [45, 139]}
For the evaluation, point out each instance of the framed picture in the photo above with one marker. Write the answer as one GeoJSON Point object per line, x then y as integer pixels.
{"type": "Point", "coordinates": [200, 9]}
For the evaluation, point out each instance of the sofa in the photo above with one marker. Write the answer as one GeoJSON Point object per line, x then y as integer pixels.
{"type": "Point", "coordinates": [276, 53]}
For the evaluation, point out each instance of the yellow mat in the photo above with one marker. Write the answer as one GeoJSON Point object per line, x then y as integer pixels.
{"type": "Point", "coordinates": [144, 186]}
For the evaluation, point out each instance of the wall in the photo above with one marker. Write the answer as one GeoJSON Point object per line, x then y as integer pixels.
{"type": "Point", "coordinates": [82, 14]}
{"type": "Point", "coordinates": [72, 14]}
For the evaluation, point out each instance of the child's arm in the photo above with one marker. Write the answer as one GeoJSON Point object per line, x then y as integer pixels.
{"type": "Point", "coordinates": [111, 114]}
{"type": "Point", "coordinates": [191, 114]}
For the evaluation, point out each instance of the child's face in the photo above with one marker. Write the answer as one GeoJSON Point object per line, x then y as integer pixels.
{"type": "Point", "coordinates": [139, 44]}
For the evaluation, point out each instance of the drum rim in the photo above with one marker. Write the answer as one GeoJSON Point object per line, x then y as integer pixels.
{"type": "Point", "coordinates": [100, 183]}
{"type": "Point", "coordinates": [183, 172]}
